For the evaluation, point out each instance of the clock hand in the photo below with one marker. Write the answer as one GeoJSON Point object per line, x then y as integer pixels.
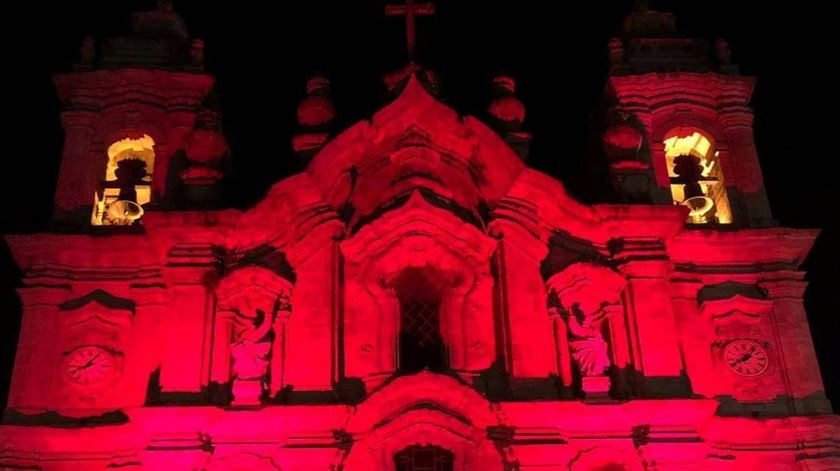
{"type": "Point", "coordinates": [86, 365]}
{"type": "Point", "coordinates": [748, 355]}
{"type": "Point", "coordinates": [743, 358]}
{"type": "Point", "coordinates": [92, 360]}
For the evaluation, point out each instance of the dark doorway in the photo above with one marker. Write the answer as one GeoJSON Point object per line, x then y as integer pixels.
{"type": "Point", "coordinates": [424, 458]}
{"type": "Point", "coordinates": [420, 343]}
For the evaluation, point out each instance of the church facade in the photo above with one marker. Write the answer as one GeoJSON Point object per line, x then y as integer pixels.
{"type": "Point", "coordinates": [418, 298]}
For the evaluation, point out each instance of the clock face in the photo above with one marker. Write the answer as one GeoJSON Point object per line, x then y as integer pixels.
{"type": "Point", "coordinates": [89, 365]}
{"type": "Point", "coordinates": [746, 357]}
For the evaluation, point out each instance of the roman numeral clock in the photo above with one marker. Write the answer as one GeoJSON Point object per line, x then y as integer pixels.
{"type": "Point", "coordinates": [89, 365]}
{"type": "Point", "coordinates": [746, 357]}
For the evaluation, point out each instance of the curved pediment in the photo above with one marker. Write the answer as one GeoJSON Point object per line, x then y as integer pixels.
{"type": "Point", "coordinates": [415, 142]}
{"type": "Point", "coordinates": [423, 390]}
{"type": "Point", "coordinates": [415, 234]}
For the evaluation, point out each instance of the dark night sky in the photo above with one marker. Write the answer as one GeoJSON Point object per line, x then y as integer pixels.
{"type": "Point", "coordinates": [557, 50]}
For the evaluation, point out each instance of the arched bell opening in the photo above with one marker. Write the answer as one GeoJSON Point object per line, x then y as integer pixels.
{"type": "Point", "coordinates": [127, 184]}
{"type": "Point", "coordinates": [696, 175]}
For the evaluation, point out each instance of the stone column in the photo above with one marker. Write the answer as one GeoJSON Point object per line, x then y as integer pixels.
{"type": "Point", "coordinates": [650, 310]}
{"type": "Point", "coordinates": [36, 373]}
{"type": "Point", "coordinates": [800, 366]}
{"type": "Point", "coordinates": [185, 363]}
{"type": "Point", "coordinates": [523, 303]}
{"type": "Point", "coordinates": [742, 169]}
{"type": "Point", "coordinates": [278, 350]}
{"type": "Point", "coordinates": [80, 171]}
{"type": "Point", "coordinates": [564, 355]}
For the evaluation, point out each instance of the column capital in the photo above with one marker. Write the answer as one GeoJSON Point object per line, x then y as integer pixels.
{"type": "Point", "coordinates": [784, 289]}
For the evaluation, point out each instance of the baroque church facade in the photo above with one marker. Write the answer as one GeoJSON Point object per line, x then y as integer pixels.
{"type": "Point", "coordinates": [418, 298]}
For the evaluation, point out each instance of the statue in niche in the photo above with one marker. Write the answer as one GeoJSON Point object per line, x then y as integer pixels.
{"type": "Point", "coordinates": [252, 347]}
{"type": "Point", "coordinates": [257, 301]}
{"type": "Point", "coordinates": [588, 347]}
{"type": "Point", "coordinates": [585, 296]}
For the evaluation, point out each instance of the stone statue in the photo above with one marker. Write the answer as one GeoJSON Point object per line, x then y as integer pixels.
{"type": "Point", "coordinates": [589, 349]}
{"type": "Point", "coordinates": [723, 52]}
{"type": "Point", "coordinates": [252, 296]}
{"type": "Point", "coordinates": [251, 350]}
{"type": "Point", "coordinates": [586, 294]}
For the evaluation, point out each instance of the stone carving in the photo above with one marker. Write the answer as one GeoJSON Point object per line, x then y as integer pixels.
{"type": "Point", "coordinates": [589, 349]}
{"type": "Point", "coordinates": [252, 346]}
{"type": "Point", "coordinates": [254, 296]}
{"type": "Point", "coordinates": [584, 294]}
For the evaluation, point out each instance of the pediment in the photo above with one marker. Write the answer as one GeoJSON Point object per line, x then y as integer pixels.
{"type": "Point", "coordinates": [418, 226]}
{"type": "Point", "coordinates": [417, 144]}
{"type": "Point", "coordinates": [737, 307]}
{"type": "Point", "coordinates": [416, 141]}
{"type": "Point", "coordinates": [101, 299]}
{"type": "Point", "coordinates": [424, 390]}
{"type": "Point", "coordinates": [97, 308]}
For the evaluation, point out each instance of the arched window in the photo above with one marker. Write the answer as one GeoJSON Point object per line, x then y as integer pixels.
{"type": "Point", "coordinates": [127, 184]}
{"type": "Point", "coordinates": [696, 176]}
{"type": "Point", "coordinates": [420, 344]}
{"type": "Point", "coordinates": [424, 458]}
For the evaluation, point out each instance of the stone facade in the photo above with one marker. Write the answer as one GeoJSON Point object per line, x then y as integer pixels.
{"type": "Point", "coordinates": [549, 334]}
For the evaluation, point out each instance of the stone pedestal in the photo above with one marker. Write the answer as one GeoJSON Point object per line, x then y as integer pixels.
{"type": "Point", "coordinates": [596, 387]}
{"type": "Point", "coordinates": [247, 393]}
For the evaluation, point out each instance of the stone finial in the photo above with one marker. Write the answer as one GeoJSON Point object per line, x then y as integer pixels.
{"type": "Point", "coordinates": [723, 52]}
{"type": "Point", "coordinates": [87, 53]}
{"type": "Point", "coordinates": [316, 111]}
{"type": "Point", "coordinates": [506, 107]}
{"type": "Point", "coordinates": [508, 113]}
{"type": "Point", "coordinates": [197, 53]}
{"type": "Point", "coordinates": [616, 51]}
{"type": "Point", "coordinates": [622, 138]}
{"type": "Point", "coordinates": [205, 148]}
{"type": "Point", "coordinates": [314, 114]}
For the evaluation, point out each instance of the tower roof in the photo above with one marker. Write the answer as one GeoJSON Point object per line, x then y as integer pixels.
{"type": "Point", "coordinates": [158, 39]}
{"type": "Point", "coordinates": [650, 42]}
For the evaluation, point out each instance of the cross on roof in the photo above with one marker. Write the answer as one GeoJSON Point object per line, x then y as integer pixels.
{"type": "Point", "coordinates": [410, 10]}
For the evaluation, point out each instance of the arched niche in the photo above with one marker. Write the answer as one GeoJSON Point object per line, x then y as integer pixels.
{"type": "Point", "coordinates": [426, 410]}
{"type": "Point", "coordinates": [585, 301]}
{"type": "Point", "coordinates": [253, 308]}
{"type": "Point", "coordinates": [420, 239]}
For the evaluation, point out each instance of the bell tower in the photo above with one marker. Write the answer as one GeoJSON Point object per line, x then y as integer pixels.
{"type": "Point", "coordinates": [136, 130]}
{"type": "Point", "coordinates": [679, 128]}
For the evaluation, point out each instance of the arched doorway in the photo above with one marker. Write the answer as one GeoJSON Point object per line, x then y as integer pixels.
{"type": "Point", "coordinates": [424, 458]}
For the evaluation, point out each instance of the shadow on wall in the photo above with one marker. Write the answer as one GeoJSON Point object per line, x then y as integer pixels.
{"type": "Point", "coordinates": [10, 316]}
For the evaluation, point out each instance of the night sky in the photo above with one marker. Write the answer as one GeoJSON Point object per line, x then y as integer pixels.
{"type": "Point", "coordinates": [556, 50]}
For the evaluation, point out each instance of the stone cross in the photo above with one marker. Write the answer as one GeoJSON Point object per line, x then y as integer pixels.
{"type": "Point", "coordinates": [410, 10]}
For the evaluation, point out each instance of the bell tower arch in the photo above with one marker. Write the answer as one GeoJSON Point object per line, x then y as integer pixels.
{"type": "Point", "coordinates": [130, 105]}
{"type": "Point", "coordinates": [684, 137]}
